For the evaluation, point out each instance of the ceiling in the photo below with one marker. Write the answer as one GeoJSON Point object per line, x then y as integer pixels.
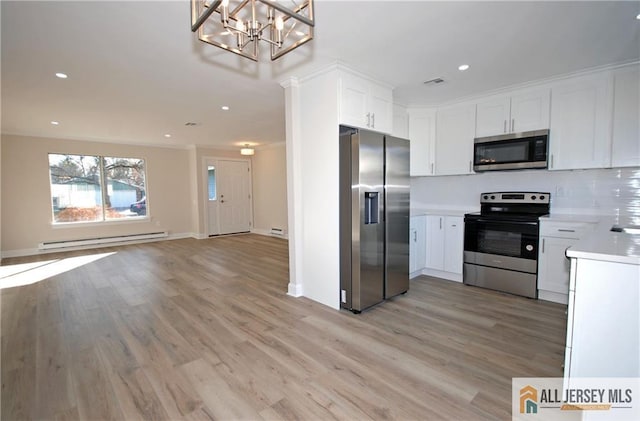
{"type": "Point", "coordinates": [137, 72]}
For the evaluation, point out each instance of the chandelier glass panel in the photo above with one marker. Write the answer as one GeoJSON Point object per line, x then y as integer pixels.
{"type": "Point", "coordinates": [239, 25]}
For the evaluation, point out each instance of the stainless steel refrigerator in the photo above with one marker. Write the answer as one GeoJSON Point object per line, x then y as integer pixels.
{"type": "Point", "coordinates": [374, 218]}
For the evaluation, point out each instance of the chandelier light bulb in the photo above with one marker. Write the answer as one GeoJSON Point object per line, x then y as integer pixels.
{"type": "Point", "coordinates": [279, 23]}
{"type": "Point", "coordinates": [225, 3]}
{"type": "Point", "coordinates": [240, 25]}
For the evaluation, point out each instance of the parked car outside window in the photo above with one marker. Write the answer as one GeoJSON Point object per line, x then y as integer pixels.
{"type": "Point", "coordinates": [139, 207]}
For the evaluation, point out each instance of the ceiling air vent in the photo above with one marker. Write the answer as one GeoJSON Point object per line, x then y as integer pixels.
{"type": "Point", "coordinates": [434, 81]}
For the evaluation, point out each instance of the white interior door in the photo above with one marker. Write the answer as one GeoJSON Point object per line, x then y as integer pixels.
{"type": "Point", "coordinates": [233, 196]}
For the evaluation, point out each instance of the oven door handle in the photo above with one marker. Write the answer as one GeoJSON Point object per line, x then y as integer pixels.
{"type": "Point", "coordinates": [502, 221]}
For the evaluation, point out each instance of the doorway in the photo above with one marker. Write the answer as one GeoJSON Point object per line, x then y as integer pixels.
{"type": "Point", "coordinates": [228, 192]}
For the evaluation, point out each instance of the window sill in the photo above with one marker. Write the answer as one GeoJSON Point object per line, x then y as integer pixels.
{"type": "Point", "coordinates": [82, 224]}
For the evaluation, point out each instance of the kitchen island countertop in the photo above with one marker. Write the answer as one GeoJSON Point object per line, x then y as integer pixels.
{"type": "Point", "coordinates": [604, 245]}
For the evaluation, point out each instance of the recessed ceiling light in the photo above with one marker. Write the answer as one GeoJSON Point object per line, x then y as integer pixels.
{"type": "Point", "coordinates": [463, 67]}
{"type": "Point", "coordinates": [638, 16]}
{"type": "Point", "coordinates": [167, 135]}
{"type": "Point", "coordinates": [61, 75]}
{"type": "Point", "coordinates": [190, 123]}
{"type": "Point", "coordinates": [225, 108]}
{"type": "Point", "coordinates": [55, 123]}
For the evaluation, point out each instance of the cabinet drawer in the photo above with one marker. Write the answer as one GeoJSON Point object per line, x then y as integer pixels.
{"type": "Point", "coordinates": [574, 230]}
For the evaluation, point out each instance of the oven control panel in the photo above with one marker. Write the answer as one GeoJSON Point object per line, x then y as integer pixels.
{"type": "Point", "coordinates": [515, 197]}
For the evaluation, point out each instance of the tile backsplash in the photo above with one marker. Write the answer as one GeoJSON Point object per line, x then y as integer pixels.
{"type": "Point", "coordinates": [614, 192]}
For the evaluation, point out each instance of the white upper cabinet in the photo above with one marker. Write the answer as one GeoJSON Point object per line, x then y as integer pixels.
{"type": "Point", "coordinates": [422, 138]}
{"type": "Point", "coordinates": [525, 111]}
{"type": "Point", "coordinates": [625, 150]}
{"type": "Point", "coordinates": [365, 104]}
{"type": "Point", "coordinates": [400, 122]}
{"type": "Point", "coordinates": [455, 128]}
{"type": "Point", "coordinates": [580, 131]}
{"type": "Point", "coordinates": [530, 111]}
{"type": "Point", "coordinates": [492, 116]}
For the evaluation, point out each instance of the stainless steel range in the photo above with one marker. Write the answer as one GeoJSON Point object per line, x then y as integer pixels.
{"type": "Point", "coordinates": [501, 242]}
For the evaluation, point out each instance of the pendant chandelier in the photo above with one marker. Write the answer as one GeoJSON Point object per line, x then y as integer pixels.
{"type": "Point", "coordinates": [239, 25]}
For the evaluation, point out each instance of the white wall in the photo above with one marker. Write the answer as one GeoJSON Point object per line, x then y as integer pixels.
{"type": "Point", "coordinates": [270, 188]}
{"type": "Point", "coordinates": [26, 195]}
{"type": "Point", "coordinates": [599, 191]}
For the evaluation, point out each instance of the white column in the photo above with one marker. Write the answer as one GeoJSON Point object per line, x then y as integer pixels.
{"type": "Point", "coordinates": [294, 184]}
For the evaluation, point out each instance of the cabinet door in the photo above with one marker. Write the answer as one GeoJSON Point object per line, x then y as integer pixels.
{"type": "Point", "coordinates": [580, 135]}
{"type": "Point", "coordinates": [454, 140]}
{"type": "Point", "coordinates": [400, 122]}
{"type": "Point", "coordinates": [380, 108]}
{"type": "Point", "coordinates": [435, 242]}
{"type": "Point", "coordinates": [413, 240]}
{"type": "Point", "coordinates": [422, 136]}
{"type": "Point", "coordinates": [353, 101]}
{"type": "Point", "coordinates": [553, 265]}
{"type": "Point", "coordinates": [492, 117]}
{"type": "Point", "coordinates": [530, 111]}
{"type": "Point", "coordinates": [417, 243]}
{"type": "Point", "coordinates": [625, 149]}
{"type": "Point", "coordinates": [453, 244]}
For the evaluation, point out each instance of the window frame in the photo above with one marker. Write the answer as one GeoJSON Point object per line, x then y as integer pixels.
{"type": "Point", "coordinates": [103, 193]}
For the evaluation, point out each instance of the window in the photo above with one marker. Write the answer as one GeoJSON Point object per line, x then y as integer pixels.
{"type": "Point", "coordinates": [211, 171]}
{"type": "Point", "coordinates": [87, 188]}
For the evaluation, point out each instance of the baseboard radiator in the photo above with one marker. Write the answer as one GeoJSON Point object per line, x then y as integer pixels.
{"type": "Point", "coordinates": [101, 240]}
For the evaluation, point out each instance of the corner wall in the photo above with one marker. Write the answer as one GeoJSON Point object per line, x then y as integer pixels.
{"type": "Point", "coordinates": [270, 189]}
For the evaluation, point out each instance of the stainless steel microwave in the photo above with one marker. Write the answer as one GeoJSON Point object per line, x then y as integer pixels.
{"type": "Point", "coordinates": [511, 151]}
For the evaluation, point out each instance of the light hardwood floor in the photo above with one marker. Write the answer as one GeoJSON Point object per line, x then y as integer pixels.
{"type": "Point", "coordinates": [202, 329]}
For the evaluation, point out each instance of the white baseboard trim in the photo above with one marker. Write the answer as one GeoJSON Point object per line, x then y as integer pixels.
{"type": "Point", "coordinates": [449, 276]}
{"type": "Point", "coordinates": [198, 236]}
{"type": "Point", "coordinates": [295, 290]}
{"type": "Point", "coordinates": [553, 297]}
{"type": "Point", "coordinates": [35, 251]}
{"type": "Point", "coordinates": [268, 233]}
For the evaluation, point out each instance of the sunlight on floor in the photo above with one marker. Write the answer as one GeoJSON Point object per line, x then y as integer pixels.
{"type": "Point", "coordinates": [30, 273]}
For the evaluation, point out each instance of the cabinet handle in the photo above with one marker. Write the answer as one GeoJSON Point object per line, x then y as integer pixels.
{"type": "Point", "coordinates": [543, 245]}
{"type": "Point", "coordinates": [505, 127]}
{"type": "Point", "coordinates": [373, 120]}
{"type": "Point", "coordinates": [415, 236]}
{"type": "Point", "coordinates": [551, 160]}
{"type": "Point", "coordinates": [565, 230]}
{"type": "Point", "coordinates": [513, 124]}
{"type": "Point", "coordinates": [470, 166]}
{"type": "Point", "coordinates": [432, 168]}
{"type": "Point", "coordinates": [440, 223]}
{"type": "Point", "coordinates": [368, 119]}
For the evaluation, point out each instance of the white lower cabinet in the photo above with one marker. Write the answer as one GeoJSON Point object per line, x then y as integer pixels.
{"type": "Point", "coordinates": [553, 265]}
{"type": "Point", "coordinates": [445, 243]}
{"type": "Point", "coordinates": [417, 244]}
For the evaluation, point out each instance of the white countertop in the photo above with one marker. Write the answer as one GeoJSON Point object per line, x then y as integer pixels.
{"type": "Point", "coordinates": [445, 212]}
{"type": "Point", "coordinates": [563, 217]}
{"type": "Point", "coordinates": [604, 245]}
